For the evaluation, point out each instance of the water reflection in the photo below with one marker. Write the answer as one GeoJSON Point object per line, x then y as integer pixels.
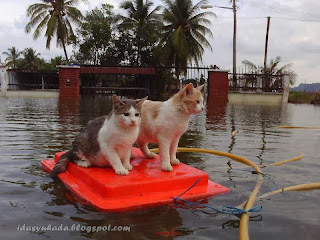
{"type": "Point", "coordinates": [216, 114]}
{"type": "Point", "coordinates": [34, 129]}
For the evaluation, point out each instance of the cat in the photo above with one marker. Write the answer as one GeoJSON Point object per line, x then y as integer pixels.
{"type": "Point", "coordinates": [107, 140]}
{"type": "Point", "coordinates": [165, 122]}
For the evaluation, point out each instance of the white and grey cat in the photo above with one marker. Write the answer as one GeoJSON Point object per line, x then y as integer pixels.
{"type": "Point", "coordinates": [107, 140]}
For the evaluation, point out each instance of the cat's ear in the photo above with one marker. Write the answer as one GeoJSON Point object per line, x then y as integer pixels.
{"type": "Point", "coordinates": [200, 88]}
{"type": "Point", "coordinates": [139, 102]}
{"type": "Point", "coordinates": [117, 102]}
{"type": "Point", "coordinates": [188, 89]}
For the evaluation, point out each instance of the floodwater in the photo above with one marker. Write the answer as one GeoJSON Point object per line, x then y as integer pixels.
{"type": "Point", "coordinates": [34, 129]}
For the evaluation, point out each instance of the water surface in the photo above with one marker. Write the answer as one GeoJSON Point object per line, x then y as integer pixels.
{"type": "Point", "coordinates": [34, 129]}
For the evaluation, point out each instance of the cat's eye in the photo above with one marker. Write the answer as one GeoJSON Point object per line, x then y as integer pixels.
{"type": "Point", "coordinates": [137, 114]}
{"type": "Point", "coordinates": [198, 102]}
{"type": "Point", "coordinates": [126, 114]}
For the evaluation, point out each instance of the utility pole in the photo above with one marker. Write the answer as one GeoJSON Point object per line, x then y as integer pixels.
{"type": "Point", "coordinates": [234, 8]}
{"type": "Point", "coordinates": [266, 54]}
{"type": "Point", "coordinates": [234, 43]}
{"type": "Point", "coordinates": [266, 45]}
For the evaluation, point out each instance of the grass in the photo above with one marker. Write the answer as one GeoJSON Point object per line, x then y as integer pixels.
{"type": "Point", "coordinates": [304, 97]}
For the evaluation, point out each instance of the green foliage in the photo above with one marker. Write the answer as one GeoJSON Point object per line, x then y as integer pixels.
{"type": "Point", "coordinates": [184, 36]}
{"type": "Point", "coordinates": [30, 60]}
{"type": "Point", "coordinates": [142, 36]}
{"type": "Point", "coordinates": [144, 26]}
{"type": "Point", "coordinates": [95, 36]}
{"type": "Point", "coordinates": [55, 16]}
{"type": "Point", "coordinates": [12, 58]}
{"type": "Point", "coordinates": [304, 97]}
{"type": "Point", "coordinates": [272, 69]}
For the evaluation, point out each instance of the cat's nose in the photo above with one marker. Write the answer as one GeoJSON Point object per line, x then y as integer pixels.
{"type": "Point", "coordinates": [133, 122]}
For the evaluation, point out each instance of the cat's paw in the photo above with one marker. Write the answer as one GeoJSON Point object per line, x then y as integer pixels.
{"type": "Point", "coordinates": [167, 167]}
{"type": "Point", "coordinates": [150, 155]}
{"type": "Point", "coordinates": [127, 166]}
{"type": "Point", "coordinates": [83, 163]}
{"type": "Point", "coordinates": [122, 171]}
{"type": "Point", "coordinates": [174, 161]}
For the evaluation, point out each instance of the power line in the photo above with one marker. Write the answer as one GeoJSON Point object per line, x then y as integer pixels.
{"type": "Point", "coordinates": [284, 18]}
{"type": "Point", "coordinates": [282, 10]}
{"type": "Point", "coordinates": [300, 20]}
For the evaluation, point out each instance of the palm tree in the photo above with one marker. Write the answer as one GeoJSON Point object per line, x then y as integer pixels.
{"type": "Point", "coordinates": [272, 69]}
{"type": "Point", "coordinates": [143, 22]}
{"type": "Point", "coordinates": [31, 60]}
{"type": "Point", "coordinates": [12, 58]}
{"type": "Point", "coordinates": [56, 16]}
{"type": "Point", "coordinates": [184, 35]}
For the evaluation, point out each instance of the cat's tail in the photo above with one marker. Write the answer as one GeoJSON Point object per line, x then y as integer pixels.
{"type": "Point", "coordinates": [61, 165]}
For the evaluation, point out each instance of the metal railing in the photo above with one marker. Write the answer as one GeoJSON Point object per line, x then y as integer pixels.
{"type": "Point", "coordinates": [247, 82]}
{"type": "Point", "coordinates": [29, 80]}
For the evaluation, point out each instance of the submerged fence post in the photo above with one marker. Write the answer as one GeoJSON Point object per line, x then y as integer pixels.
{"type": "Point", "coordinates": [69, 82]}
{"type": "Point", "coordinates": [4, 80]}
{"type": "Point", "coordinates": [285, 86]}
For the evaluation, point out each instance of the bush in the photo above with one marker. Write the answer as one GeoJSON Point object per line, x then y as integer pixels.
{"type": "Point", "coordinates": [304, 97]}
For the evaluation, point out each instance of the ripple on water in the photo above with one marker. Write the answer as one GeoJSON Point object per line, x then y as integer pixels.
{"type": "Point", "coordinates": [34, 129]}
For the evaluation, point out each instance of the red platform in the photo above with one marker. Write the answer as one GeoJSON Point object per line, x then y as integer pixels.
{"type": "Point", "coordinates": [146, 185]}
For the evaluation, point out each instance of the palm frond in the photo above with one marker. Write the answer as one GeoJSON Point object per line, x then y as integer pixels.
{"type": "Point", "coordinates": [251, 66]}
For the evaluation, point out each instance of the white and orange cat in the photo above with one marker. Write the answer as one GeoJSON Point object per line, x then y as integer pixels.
{"type": "Point", "coordinates": [165, 122]}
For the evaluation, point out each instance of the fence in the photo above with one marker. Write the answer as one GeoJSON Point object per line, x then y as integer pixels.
{"type": "Point", "coordinates": [29, 80]}
{"type": "Point", "coordinates": [255, 83]}
{"type": "Point", "coordinates": [124, 81]}
{"type": "Point", "coordinates": [123, 85]}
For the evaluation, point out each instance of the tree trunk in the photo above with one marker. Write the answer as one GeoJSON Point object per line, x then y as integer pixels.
{"type": "Point", "coordinates": [65, 51]}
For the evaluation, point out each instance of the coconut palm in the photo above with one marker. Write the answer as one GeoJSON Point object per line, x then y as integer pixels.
{"type": "Point", "coordinates": [139, 13]}
{"type": "Point", "coordinates": [55, 16]}
{"type": "Point", "coordinates": [185, 31]}
{"type": "Point", "coordinates": [145, 24]}
{"type": "Point", "coordinates": [31, 60]}
{"type": "Point", "coordinates": [12, 58]}
{"type": "Point", "coordinates": [272, 69]}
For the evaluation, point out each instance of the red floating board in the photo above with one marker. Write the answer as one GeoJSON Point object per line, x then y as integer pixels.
{"type": "Point", "coordinates": [146, 185]}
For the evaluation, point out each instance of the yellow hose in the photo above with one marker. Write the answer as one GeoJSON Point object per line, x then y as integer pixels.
{"type": "Point", "coordinates": [244, 220]}
{"type": "Point", "coordinates": [298, 127]}
{"type": "Point", "coordinates": [286, 161]}
{"type": "Point", "coordinates": [301, 187]}
{"type": "Point", "coordinates": [276, 163]}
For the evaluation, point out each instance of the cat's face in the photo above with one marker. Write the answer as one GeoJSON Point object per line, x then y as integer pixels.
{"type": "Point", "coordinates": [127, 112]}
{"type": "Point", "coordinates": [190, 99]}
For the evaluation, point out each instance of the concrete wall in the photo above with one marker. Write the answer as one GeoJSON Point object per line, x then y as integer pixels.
{"type": "Point", "coordinates": [32, 94]}
{"type": "Point", "coordinates": [256, 98]}
{"type": "Point", "coordinates": [3, 80]}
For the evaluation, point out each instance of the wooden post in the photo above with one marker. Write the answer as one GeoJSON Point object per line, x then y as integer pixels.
{"type": "Point", "coordinates": [266, 83]}
{"type": "Point", "coordinates": [234, 43]}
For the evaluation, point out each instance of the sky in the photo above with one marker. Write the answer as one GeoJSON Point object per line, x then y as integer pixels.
{"type": "Point", "coordinates": [294, 33]}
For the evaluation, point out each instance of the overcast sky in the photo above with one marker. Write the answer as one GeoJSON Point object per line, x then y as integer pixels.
{"type": "Point", "coordinates": [294, 33]}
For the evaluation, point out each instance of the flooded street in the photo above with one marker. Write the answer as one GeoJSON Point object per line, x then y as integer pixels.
{"type": "Point", "coordinates": [33, 129]}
